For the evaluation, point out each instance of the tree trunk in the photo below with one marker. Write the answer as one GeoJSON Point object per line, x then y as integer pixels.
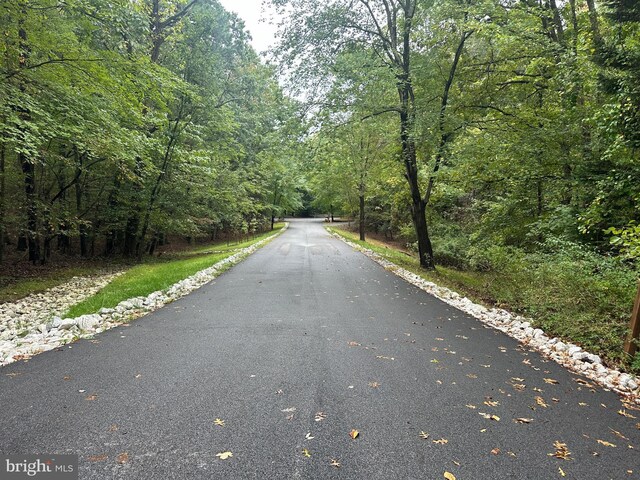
{"type": "Point", "coordinates": [595, 27]}
{"type": "Point", "coordinates": [361, 223]}
{"type": "Point", "coordinates": [2, 201]}
{"type": "Point", "coordinates": [425, 250]}
{"type": "Point", "coordinates": [28, 167]}
{"type": "Point", "coordinates": [112, 202]}
{"type": "Point", "coordinates": [33, 243]}
{"type": "Point", "coordinates": [84, 251]}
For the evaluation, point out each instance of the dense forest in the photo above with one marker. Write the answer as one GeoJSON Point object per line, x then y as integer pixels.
{"type": "Point", "coordinates": [459, 126]}
{"type": "Point", "coordinates": [514, 123]}
{"type": "Point", "coordinates": [124, 123]}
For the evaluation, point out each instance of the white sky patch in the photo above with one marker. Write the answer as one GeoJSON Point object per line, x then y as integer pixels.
{"type": "Point", "coordinates": [258, 20]}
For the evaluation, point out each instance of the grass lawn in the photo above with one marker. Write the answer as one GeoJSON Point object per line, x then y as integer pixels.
{"type": "Point", "coordinates": [589, 310]}
{"type": "Point", "coordinates": [158, 274]}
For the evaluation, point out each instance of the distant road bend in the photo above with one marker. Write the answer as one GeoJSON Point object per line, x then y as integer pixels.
{"type": "Point", "coordinates": [290, 351]}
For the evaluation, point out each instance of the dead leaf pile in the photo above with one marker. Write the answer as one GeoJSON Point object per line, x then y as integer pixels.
{"type": "Point", "coordinates": [562, 452]}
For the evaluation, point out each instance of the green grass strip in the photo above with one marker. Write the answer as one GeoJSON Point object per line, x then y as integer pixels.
{"type": "Point", "coordinates": [141, 280]}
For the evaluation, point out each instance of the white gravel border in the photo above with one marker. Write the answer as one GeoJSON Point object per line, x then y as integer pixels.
{"type": "Point", "coordinates": [28, 336]}
{"type": "Point", "coordinates": [566, 354]}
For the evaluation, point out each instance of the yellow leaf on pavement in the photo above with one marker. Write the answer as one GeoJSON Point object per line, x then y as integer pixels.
{"type": "Point", "coordinates": [449, 476]}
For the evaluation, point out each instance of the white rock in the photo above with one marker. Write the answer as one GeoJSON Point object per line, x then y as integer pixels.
{"type": "Point", "coordinates": [573, 350]}
{"type": "Point", "coordinates": [87, 322]}
{"type": "Point", "coordinates": [66, 324]}
{"type": "Point", "coordinates": [561, 347]}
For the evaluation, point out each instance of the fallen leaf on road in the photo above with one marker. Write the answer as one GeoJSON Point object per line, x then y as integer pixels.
{"type": "Point", "coordinates": [354, 434]}
{"type": "Point", "coordinates": [562, 474]}
{"type": "Point", "coordinates": [472, 407]}
{"type": "Point", "coordinates": [424, 435]}
{"type": "Point", "coordinates": [289, 410]}
{"type": "Point", "coordinates": [606, 444]}
{"type": "Point", "coordinates": [618, 434]}
{"type": "Point", "coordinates": [374, 384]}
{"type": "Point", "coordinates": [523, 420]}
{"type": "Point", "coordinates": [335, 463]}
{"type": "Point", "coordinates": [354, 344]}
{"type": "Point", "coordinates": [306, 453]}
{"type": "Point", "coordinates": [471, 375]}
{"type": "Point", "coordinates": [449, 476]}
{"type": "Point", "coordinates": [113, 428]}
{"type": "Point", "coordinates": [540, 401]}
{"type": "Point", "coordinates": [495, 451]}
{"type": "Point", "coordinates": [491, 403]}
{"type": "Point", "coordinates": [98, 458]}
{"type": "Point", "coordinates": [122, 458]}
{"type": "Point", "coordinates": [224, 455]}
{"type": "Point", "coordinates": [435, 361]}
{"type": "Point", "coordinates": [584, 383]}
{"type": "Point", "coordinates": [219, 422]}
{"type": "Point", "coordinates": [630, 406]}
{"type": "Point", "coordinates": [308, 436]}
{"type": "Point", "coordinates": [382, 357]}
{"type": "Point", "coordinates": [442, 441]}
{"type": "Point", "coordinates": [488, 416]}
{"type": "Point", "coordinates": [562, 452]}
{"type": "Point", "coordinates": [320, 416]}
{"type": "Point", "coordinates": [91, 398]}
{"type": "Point", "coordinates": [551, 381]}
{"type": "Point", "coordinates": [624, 413]}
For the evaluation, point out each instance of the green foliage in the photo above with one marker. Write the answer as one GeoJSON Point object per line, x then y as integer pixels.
{"type": "Point", "coordinates": [120, 126]}
{"type": "Point", "coordinates": [627, 240]}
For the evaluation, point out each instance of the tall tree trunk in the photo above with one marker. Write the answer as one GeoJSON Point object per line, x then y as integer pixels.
{"type": "Point", "coordinates": [26, 163]}
{"type": "Point", "coordinates": [112, 236]}
{"type": "Point", "coordinates": [2, 201]}
{"type": "Point", "coordinates": [595, 26]}
{"type": "Point", "coordinates": [361, 222]}
{"type": "Point", "coordinates": [84, 250]}
{"type": "Point", "coordinates": [557, 21]}
{"type": "Point", "coordinates": [33, 242]}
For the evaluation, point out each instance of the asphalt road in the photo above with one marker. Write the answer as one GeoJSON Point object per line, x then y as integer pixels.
{"type": "Point", "coordinates": [294, 348]}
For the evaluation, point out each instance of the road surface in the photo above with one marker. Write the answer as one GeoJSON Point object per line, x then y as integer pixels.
{"type": "Point", "coordinates": [294, 348]}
